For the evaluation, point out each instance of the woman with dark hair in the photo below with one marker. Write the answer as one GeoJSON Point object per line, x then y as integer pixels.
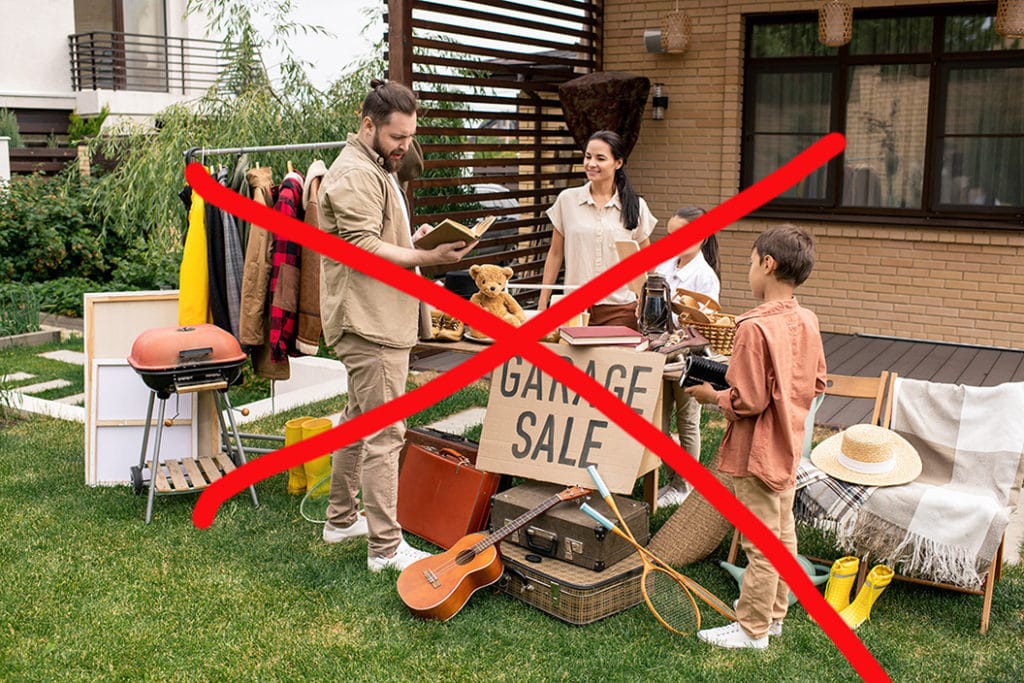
{"type": "Point", "coordinates": [588, 220]}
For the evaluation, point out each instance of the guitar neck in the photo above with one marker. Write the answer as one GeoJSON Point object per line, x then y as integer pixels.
{"type": "Point", "coordinates": [520, 521]}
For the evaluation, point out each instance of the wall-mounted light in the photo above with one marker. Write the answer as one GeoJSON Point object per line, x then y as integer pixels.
{"type": "Point", "coordinates": [1010, 18]}
{"type": "Point", "coordinates": [835, 23]}
{"type": "Point", "coordinates": [659, 102]}
{"type": "Point", "coordinates": [674, 35]}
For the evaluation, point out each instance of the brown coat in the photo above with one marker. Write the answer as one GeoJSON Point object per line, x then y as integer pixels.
{"type": "Point", "coordinates": [308, 338]}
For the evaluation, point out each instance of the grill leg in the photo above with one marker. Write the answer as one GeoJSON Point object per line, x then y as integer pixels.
{"type": "Point", "coordinates": [226, 404]}
{"type": "Point", "coordinates": [145, 431]}
{"type": "Point", "coordinates": [156, 459]}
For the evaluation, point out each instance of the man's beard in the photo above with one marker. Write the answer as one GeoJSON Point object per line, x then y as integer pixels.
{"type": "Point", "coordinates": [390, 165]}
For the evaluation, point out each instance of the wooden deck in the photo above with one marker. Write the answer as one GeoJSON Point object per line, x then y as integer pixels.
{"type": "Point", "coordinates": [850, 354]}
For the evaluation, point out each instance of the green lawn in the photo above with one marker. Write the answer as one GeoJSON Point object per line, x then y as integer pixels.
{"type": "Point", "coordinates": [91, 593]}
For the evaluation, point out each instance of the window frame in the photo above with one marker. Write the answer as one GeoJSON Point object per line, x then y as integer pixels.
{"type": "Point", "coordinates": [940, 63]}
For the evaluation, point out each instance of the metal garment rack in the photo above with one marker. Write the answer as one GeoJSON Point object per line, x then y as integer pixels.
{"type": "Point", "coordinates": [192, 153]}
{"type": "Point", "coordinates": [201, 153]}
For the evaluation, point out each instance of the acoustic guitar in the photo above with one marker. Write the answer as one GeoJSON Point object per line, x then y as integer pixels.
{"type": "Point", "coordinates": [437, 587]}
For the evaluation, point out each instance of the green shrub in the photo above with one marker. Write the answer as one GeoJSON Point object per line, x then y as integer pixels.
{"type": "Point", "coordinates": [9, 127]}
{"type": "Point", "coordinates": [80, 128]}
{"type": "Point", "coordinates": [143, 267]}
{"type": "Point", "coordinates": [19, 309]}
{"type": "Point", "coordinates": [63, 296]}
{"type": "Point", "coordinates": [47, 230]}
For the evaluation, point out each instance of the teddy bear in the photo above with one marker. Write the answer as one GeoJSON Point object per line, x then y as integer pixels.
{"type": "Point", "coordinates": [492, 297]}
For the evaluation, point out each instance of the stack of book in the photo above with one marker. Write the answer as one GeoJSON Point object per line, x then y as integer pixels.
{"type": "Point", "coordinates": [600, 335]}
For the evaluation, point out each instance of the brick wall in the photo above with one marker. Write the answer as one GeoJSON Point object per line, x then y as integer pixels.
{"type": "Point", "coordinates": [901, 280]}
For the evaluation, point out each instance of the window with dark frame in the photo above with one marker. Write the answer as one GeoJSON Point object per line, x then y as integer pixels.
{"type": "Point", "coordinates": [931, 101]}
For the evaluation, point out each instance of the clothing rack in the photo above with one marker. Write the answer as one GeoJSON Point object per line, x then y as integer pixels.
{"type": "Point", "coordinates": [191, 154]}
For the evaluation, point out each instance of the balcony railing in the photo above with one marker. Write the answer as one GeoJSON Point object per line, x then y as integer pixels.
{"type": "Point", "coordinates": [107, 60]}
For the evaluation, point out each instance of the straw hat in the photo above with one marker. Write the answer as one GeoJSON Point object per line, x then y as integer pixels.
{"type": "Point", "coordinates": [869, 455]}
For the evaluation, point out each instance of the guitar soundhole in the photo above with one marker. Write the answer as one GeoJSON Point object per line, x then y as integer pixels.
{"type": "Point", "coordinates": [466, 556]}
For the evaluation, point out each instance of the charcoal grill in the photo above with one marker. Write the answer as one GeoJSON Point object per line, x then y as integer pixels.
{"type": "Point", "coordinates": [178, 360]}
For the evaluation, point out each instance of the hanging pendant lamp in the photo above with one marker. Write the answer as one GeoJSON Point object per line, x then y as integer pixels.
{"type": "Point", "coordinates": [835, 23]}
{"type": "Point", "coordinates": [675, 31]}
{"type": "Point", "coordinates": [1010, 18]}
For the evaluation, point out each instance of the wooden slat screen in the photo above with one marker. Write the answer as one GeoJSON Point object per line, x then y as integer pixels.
{"type": "Point", "coordinates": [487, 74]}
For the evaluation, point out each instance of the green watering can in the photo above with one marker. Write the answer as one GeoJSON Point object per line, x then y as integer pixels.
{"type": "Point", "coordinates": [818, 573]}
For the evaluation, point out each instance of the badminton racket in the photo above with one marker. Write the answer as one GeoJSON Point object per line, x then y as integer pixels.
{"type": "Point", "coordinates": [709, 598]}
{"type": "Point", "coordinates": [666, 596]}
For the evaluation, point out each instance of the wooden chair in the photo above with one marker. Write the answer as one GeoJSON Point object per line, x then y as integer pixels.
{"type": "Point", "coordinates": [848, 386]}
{"type": "Point", "coordinates": [881, 390]}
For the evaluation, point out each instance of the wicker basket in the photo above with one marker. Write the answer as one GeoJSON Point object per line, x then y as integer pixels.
{"type": "Point", "coordinates": [704, 300]}
{"type": "Point", "coordinates": [720, 337]}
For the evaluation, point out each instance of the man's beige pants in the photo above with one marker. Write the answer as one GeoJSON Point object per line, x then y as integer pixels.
{"type": "Point", "coordinates": [376, 375]}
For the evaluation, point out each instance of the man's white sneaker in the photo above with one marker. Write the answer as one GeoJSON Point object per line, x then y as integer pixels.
{"type": "Point", "coordinates": [669, 495]}
{"type": "Point", "coordinates": [404, 555]}
{"type": "Point", "coordinates": [732, 636]}
{"type": "Point", "coordinates": [334, 534]}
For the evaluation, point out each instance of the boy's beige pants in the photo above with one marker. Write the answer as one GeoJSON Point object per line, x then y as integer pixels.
{"type": "Point", "coordinates": [764, 596]}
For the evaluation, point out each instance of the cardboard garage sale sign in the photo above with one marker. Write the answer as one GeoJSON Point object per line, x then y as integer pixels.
{"type": "Point", "coordinates": [540, 429]}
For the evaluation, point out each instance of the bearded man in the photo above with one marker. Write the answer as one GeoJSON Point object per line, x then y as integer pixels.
{"type": "Point", "coordinates": [371, 326]}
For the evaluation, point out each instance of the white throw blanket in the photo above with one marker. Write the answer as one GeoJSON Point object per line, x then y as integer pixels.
{"type": "Point", "coordinates": [947, 524]}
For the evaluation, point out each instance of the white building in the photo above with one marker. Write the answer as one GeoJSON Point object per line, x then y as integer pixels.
{"type": "Point", "coordinates": [135, 56]}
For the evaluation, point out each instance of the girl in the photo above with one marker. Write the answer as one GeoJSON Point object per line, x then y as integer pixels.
{"type": "Point", "coordinates": [695, 269]}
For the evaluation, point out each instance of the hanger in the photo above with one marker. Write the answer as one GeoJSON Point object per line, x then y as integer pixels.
{"type": "Point", "coordinates": [290, 168]}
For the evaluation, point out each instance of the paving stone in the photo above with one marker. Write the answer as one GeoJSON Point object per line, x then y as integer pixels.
{"type": "Point", "coordinates": [15, 377]}
{"type": "Point", "coordinates": [65, 356]}
{"type": "Point", "coordinates": [44, 386]}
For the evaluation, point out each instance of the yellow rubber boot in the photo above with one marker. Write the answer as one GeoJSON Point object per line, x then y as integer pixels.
{"type": "Point", "coordinates": [840, 582]}
{"type": "Point", "coordinates": [859, 610]}
{"type": "Point", "coordinates": [297, 474]}
{"type": "Point", "coordinates": [319, 469]}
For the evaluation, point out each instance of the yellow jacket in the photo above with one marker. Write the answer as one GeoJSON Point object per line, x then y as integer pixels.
{"type": "Point", "coordinates": [194, 274]}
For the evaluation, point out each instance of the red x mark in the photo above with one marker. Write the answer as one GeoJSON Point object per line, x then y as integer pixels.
{"type": "Point", "coordinates": [522, 341]}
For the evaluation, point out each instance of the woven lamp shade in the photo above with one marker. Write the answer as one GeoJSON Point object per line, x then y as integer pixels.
{"type": "Point", "coordinates": [675, 32]}
{"type": "Point", "coordinates": [835, 23]}
{"type": "Point", "coordinates": [1009, 18]}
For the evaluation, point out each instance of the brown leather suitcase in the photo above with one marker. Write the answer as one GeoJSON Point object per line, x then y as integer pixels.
{"type": "Point", "coordinates": [567, 591]}
{"type": "Point", "coordinates": [436, 439]}
{"type": "Point", "coordinates": [566, 533]}
{"type": "Point", "coordinates": [441, 495]}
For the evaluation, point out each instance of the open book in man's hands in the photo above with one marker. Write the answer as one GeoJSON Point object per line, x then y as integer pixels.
{"type": "Point", "coordinates": [453, 231]}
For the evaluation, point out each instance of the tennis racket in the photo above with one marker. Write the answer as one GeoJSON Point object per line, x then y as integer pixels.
{"type": "Point", "coordinates": [668, 598]}
{"type": "Point", "coordinates": [709, 598]}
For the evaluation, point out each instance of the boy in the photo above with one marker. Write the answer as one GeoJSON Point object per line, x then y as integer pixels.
{"type": "Point", "coordinates": [777, 366]}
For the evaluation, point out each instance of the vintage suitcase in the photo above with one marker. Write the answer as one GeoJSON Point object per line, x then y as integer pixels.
{"type": "Point", "coordinates": [566, 533]}
{"type": "Point", "coordinates": [567, 591]}
{"type": "Point", "coordinates": [435, 439]}
{"type": "Point", "coordinates": [441, 495]}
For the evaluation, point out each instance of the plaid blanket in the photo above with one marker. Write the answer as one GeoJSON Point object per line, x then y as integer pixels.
{"type": "Point", "coordinates": [825, 502]}
{"type": "Point", "coordinates": [947, 524]}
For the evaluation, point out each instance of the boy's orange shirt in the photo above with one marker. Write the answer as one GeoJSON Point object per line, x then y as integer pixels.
{"type": "Point", "coordinates": [777, 367]}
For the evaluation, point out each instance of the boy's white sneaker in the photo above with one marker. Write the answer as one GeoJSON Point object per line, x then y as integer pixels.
{"type": "Point", "coordinates": [404, 555]}
{"type": "Point", "coordinates": [774, 628]}
{"type": "Point", "coordinates": [733, 637]}
{"type": "Point", "coordinates": [335, 534]}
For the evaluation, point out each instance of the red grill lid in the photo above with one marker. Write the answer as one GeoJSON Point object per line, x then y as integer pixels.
{"type": "Point", "coordinates": [166, 348]}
